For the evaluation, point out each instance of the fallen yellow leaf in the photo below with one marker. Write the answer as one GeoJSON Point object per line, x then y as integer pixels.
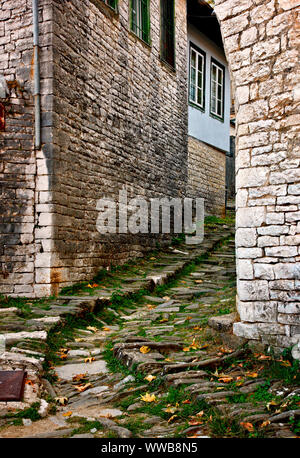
{"type": "Point", "coordinates": [78, 377]}
{"type": "Point", "coordinates": [148, 397]}
{"type": "Point", "coordinates": [82, 388]}
{"type": "Point", "coordinates": [172, 418]}
{"type": "Point", "coordinates": [247, 426]}
{"type": "Point", "coordinates": [264, 357]}
{"type": "Point", "coordinates": [92, 328]}
{"type": "Point", "coordinates": [62, 400]}
{"type": "Point", "coordinates": [265, 423]}
{"type": "Point", "coordinates": [105, 329]}
{"type": "Point", "coordinates": [144, 349]}
{"type": "Point", "coordinates": [67, 414]}
{"type": "Point", "coordinates": [286, 363]}
{"type": "Point", "coordinates": [89, 359]}
{"type": "Point", "coordinates": [150, 306]}
{"type": "Point", "coordinates": [195, 422]}
{"type": "Point", "coordinates": [252, 374]}
{"type": "Point", "coordinates": [226, 379]}
{"type": "Point", "coordinates": [150, 377]}
{"type": "Point", "coordinates": [271, 403]}
{"type": "Point", "coordinates": [170, 409]}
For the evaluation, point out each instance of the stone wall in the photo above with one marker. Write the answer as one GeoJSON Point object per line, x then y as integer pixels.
{"type": "Point", "coordinates": [261, 39]}
{"type": "Point", "coordinates": [113, 115]}
{"type": "Point", "coordinates": [206, 175]}
{"type": "Point", "coordinates": [19, 163]}
{"type": "Point", "coordinates": [120, 120]}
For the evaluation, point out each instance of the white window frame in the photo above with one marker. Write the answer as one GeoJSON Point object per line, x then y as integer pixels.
{"type": "Point", "coordinates": [220, 70]}
{"type": "Point", "coordinates": [199, 54]}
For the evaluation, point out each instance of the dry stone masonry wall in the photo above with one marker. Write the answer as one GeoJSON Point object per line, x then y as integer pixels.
{"type": "Point", "coordinates": [113, 115]}
{"type": "Point", "coordinates": [120, 120]}
{"type": "Point", "coordinates": [206, 175]}
{"type": "Point", "coordinates": [19, 163]}
{"type": "Point", "coordinates": [261, 40]}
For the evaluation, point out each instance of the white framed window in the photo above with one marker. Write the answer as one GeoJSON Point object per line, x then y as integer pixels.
{"type": "Point", "coordinates": [217, 78]}
{"type": "Point", "coordinates": [197, 77]}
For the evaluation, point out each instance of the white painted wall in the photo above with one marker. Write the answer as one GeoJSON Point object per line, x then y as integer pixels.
{"type": "Point", "coordinates": [201, 125]}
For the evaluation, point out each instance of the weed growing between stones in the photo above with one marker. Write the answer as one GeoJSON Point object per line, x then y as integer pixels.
{"type": "Point", "coordinates": [30, 413]}
{"type": "Point", "coordinates": [85, 425]}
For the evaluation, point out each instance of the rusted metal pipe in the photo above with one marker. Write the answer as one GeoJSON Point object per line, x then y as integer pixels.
{"type": "Point", "coordinates": [36, 89]}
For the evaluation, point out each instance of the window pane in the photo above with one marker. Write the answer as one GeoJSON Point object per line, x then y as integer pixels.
{"type": "Point", "coordinates": [200, 62]}
{"type": "Point", "coordinates": [220, 76]}
{"type": "Point", "coordinates": [213, 89]}
{"type": "Point", "coordinates": [213, 105]}
{"type": "Point", "coordinates": [192, 92]}
{"type": "Point", "coordinates": [199, 98]}
{"type": "Point", "coordinates": [111, 3]}
{"type": "Point", "coordinates": [200, 79]}
{"type": "Point", "coordinates": [140, 18]}
{"type": "Point", "coordinates": [214, 73]}
{"type": "Point", "coordinates": [193, 76]}
{"type": "Point", "coordinates": [193, 58]}
{"type": "Point", "coordinates": [219, 108]}
{"type": "Point", "coordinates": [219, 92]}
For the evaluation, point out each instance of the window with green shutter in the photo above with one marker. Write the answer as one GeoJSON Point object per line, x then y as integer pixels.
{"type": "Point", "coordinates": [197, 77]}
{"type": "Point", "coordinates": [140, 19]}
{"type": "Point", "coordinates": [167, 21]}
{"type": "Point", "coordinates": [111, 3]}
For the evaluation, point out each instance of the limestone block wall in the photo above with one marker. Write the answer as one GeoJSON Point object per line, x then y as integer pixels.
{"type": "Point", "coordinates": [113, 115]}
{"type": "Point", "coordinates": [20, 165]}
{"type": "Point", "coordinates": [206, 175]}
{"type": "Point", "coordinates": [261, 38]}
{"type": "Point", "coordinates": [120, 119]}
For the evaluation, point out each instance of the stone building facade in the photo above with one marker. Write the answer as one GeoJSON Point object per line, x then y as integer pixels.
{"type": "Point", "coordinates": [261, 39]}
{"type": "Point", "coordinates": [114, 114]}
{"type": "Point", "coordinates": [208, 133]}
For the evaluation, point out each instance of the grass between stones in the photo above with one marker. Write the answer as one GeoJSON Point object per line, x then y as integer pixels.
{"type": "Point", "coordinates": [30, 413]}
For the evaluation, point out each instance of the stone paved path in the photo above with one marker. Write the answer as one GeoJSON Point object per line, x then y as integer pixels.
{"type": "Point", "coordinates": [140, 354]}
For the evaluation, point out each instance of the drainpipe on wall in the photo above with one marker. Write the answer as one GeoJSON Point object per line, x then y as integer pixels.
{"type": "Point", "coordinates": [36, 89]}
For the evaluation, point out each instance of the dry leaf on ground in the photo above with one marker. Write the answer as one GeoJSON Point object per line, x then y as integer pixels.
{"type": "Point", "coordinates": [82, 388]}
{"type": "Point", "coordinates": [150, 377]}
{"type": "Point", "coordinates": [247, 426]}
{"type": "Point", "coordinates": [148, 397]}
{"type": "Point", "coordinates": [90, 359]}
{"type": "Point", "coordinates": [92, 328]}
{"type": "Point", "coordinates": [144, 349]}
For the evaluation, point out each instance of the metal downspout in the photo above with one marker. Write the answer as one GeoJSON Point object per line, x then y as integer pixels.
{"type": "Point", "coordinates": [36, 89]}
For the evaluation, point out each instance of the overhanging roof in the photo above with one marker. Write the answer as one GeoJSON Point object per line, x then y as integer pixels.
{"type": "Point", "coordinates": [201, 15]}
